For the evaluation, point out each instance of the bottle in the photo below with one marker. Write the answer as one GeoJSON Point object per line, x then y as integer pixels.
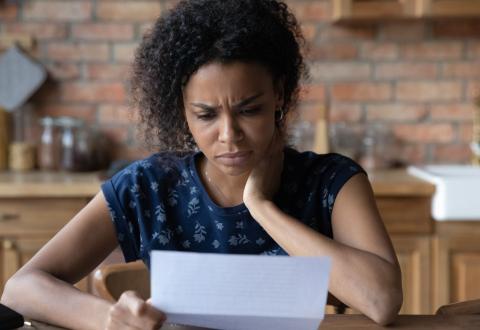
{"type": "Point", "coordinates": [49, 149]}
{"type": "Point", "coordinates": [22, 156]}
{"type": "Point", "coordinates": [68, 127]}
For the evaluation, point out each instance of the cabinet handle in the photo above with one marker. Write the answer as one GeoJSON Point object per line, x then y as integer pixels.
{"type": "Point", "coordinates": [9, 216]}
{"type": "Point", "coordinates": [7, 244]}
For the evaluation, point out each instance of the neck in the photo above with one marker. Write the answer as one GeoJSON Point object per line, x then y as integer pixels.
{"type": "Point", "coordinates": [226, 190]}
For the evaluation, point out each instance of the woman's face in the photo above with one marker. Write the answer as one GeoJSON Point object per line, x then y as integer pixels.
{"type": "Point", "coordinates": [230, 111]}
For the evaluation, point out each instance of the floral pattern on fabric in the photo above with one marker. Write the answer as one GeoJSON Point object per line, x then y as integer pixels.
{"type": "Point", "coordinates": [161, 203]}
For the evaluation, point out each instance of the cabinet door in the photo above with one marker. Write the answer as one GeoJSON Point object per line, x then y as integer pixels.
{"type": "Point", "coordinates": [413, 254]}
{"type": "Point", "coordinates": [456, 263]}
{"type": "Point", "coordinates": [15, 252]}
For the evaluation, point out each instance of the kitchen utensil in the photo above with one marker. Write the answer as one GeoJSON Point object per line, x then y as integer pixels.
{"type": "Point", "coordinates": [20, 77]}
{"type": "Point", "coordinates": [3, 139]}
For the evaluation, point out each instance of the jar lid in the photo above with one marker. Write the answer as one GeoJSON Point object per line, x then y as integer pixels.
{"type": "Point", "coordinates": [69, 122]}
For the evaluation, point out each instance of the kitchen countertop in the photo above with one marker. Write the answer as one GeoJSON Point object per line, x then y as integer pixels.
{"type": "Point", "coordinates": [397, 182]}
{"type": "Point", "coordinates": [49, 184]}
{"type": "Point", "coordinates": [391, 182]}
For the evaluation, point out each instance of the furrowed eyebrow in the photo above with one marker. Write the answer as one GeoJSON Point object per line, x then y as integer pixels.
{"type": "Point", "coordinates": [237, 105]}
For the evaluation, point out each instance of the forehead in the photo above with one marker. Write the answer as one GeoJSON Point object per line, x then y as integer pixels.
{"type": "Point", "coordinates": [228, 80]}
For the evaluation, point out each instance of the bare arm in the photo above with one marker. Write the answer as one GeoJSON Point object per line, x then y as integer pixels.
{"type": "Point", "coordinates": [43, 289]}
{"type": "Point", "coordinates": [365, 272]}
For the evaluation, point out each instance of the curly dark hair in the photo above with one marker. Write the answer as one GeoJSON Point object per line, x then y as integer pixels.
{"type": "Point", "coordinates": [197, 32]}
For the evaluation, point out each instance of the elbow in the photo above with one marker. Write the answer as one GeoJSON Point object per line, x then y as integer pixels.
{"type": "Point", "coordinates": [387, 307]}
{"type": "Point", "coordinates": [8, 295]}
{"type": "Point", "coordinates": [13, 294]}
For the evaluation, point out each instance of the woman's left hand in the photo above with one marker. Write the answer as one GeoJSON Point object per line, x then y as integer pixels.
{"type": "Point", "coordinates": [264, 179]}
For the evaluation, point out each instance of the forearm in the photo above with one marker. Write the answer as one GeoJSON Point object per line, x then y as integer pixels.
{"type": "Point", "coordinates": [359, 278]}
{"type": "Point", "coordinates": [42, 297]}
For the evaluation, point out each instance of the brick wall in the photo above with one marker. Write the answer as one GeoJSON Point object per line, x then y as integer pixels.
{"type": "Point", "coordinates": [417, 78]}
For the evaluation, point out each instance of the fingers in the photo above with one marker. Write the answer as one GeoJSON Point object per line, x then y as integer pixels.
{"type": "Point", "coordinates": [134, 313]}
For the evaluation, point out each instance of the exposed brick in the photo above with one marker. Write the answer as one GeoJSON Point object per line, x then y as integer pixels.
{"type": "Point", "coordinates": [77, 51]}
{"type": "Point", "coordinates": [473, 50]}
{"type": "Point", "coordinates": [323, 71]}
{"type": "Point", "coordinates": [465, 132]}
{"type": "Point", "coordinates": [128, 10]}
{"type": "Point", "coordinates": [455, 153]}
{"type": "Point", "coordinates": [424, 133]}
{"type": "Point", "coordinates": [308, 111]}
{"type": "Point", "coordinates": [72, 10]}
{"type": "Point", "coordinates": [8, 11]}
{"type": "Point", "coordinates": [450, 50]}
{"type": "Point", "coordinates": [93, 92]}
{"type": "Point", "coordinates": [379, 50]}
{"type": "Point", "coordinates": [406, 70]}
{"type": "Point", "coordinates": [396, 112]}
{"type": "Point", "coordinates": [403, 32]}
{"type": "Point", "coordinates": [63, 71]}
{"type": "Point", "coordinates": [312, 93]}
{"type": "Point", "coordinates": [86, 112]}
{"type": "Point", "coordinates": [361, 91]}
{"type": "Point", "coordinates": [465, 69]}
{"type": "Point", "coordinates": [313, 10]}
{"type": "Point", "coordinates": [465, 28]}
{"type": "Point", "coordinates": [429, 91]}
{"type": "Point", "coordinates": [309, 31]}
{"type": "Point", "coordinates": [39, 30]}
{"type": "Point", "coordinates": [473, 89]}
{"type": "Point", "coordinates": [344, 112]}
{"type": "Point", "coordinates": [169, 4]}
{"type": "Point", "coordinates": [335, 32]}
{"type": "Point", "coordinates": [118, 135]}
{"type": "Point", "coordinates": [124, 52]}
{"type": "Point", "coordinates": [103, 31]}
{"type": "Point", "coordinates": [408, 153]}
{"type": "Point", "coordinates": [452, 112]}
{"type": "Point", "coordinates": [116, 114]}
{"type": "Point", "coordinates": [333, 51]}
{"type": "Point", "coordinates": [104, 71]}
{"type": "Point", "coordinates": [130, 152]}
{"type": "Point", "coordinates": [144, 28]}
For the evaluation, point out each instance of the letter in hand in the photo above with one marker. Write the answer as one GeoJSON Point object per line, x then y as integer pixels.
{"type": "Point", "coordinates": [132, 312]}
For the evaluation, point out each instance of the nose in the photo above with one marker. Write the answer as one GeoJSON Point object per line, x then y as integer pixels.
{"type": "Point", "coordinates": [229, 129]}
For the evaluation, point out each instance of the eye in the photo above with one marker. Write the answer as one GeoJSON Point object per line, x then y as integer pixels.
{"type": "Point", "coordinates": [206, 116]}
{"type": "Point", "coordinates": [250, 111]}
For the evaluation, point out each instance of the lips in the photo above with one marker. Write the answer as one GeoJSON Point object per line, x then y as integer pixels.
{"type": "Point", "coordinates": [238, 158]}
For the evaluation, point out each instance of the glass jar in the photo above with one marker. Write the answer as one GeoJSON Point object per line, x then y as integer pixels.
{"type": "Point", "coordinates": [84, 149]}
{"type": "Point", "coordinates": [68, 127]}
{"type": "Point", "coordinates": [49, 148]}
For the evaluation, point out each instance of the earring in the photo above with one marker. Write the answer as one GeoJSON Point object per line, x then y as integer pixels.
{"type": "Point", "coordinates": [279, 114]}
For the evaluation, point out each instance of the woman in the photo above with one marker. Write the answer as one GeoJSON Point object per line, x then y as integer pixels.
{"type": "Point", "coordinates": [215, 80]}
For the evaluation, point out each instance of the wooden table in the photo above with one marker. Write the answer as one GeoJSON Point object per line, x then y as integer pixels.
{"type": "Point", "coordinates": [360, 322]}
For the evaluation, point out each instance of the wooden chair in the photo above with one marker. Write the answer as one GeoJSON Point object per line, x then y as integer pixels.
{"type": "Point", "coordinates": [112, 280]}
{"type": "Point", "coordinates": [460, 308]}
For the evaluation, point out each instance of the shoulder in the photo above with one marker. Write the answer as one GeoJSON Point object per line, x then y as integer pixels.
{"type": "Point", "coordinates": [157, 167]}
{"type": "Point", "coordinates": [320, 164]}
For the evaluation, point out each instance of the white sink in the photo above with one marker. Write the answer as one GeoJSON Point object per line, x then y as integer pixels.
{"type": "Point", "coordinates": [457, 190]}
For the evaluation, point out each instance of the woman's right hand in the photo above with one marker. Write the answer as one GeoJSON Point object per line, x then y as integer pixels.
{"type": "Point", "coordinates": [132, 312]}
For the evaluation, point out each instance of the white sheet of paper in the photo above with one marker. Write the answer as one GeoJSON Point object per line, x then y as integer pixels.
{"type": "Point", "coordinates": [236, 292]}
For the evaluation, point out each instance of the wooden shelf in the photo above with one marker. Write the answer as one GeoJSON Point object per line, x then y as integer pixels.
{"type": "Point", "coordinates": [373, 10]}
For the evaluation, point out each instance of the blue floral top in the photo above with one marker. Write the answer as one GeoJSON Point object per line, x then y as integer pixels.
{"type": "Point", "coordinates": [160, 203]}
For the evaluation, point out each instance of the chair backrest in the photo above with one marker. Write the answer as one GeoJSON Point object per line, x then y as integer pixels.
{"type": "Point", "coordinates": [112, 280]}
{"type": "Point", "coordinates": [460, 308]}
